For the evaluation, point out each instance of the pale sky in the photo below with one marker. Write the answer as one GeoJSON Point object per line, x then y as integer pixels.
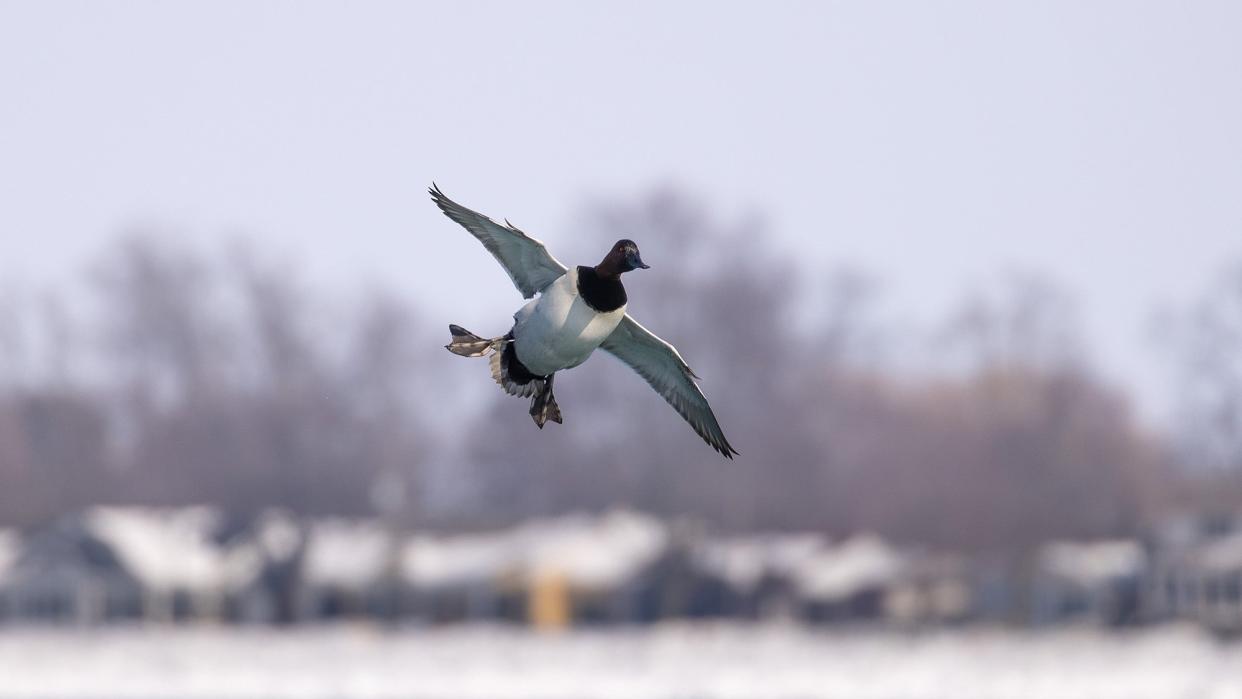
{"type": "Point", "coordinates": [932, 143]}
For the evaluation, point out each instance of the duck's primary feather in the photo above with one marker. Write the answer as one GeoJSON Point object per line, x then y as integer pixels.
{"type": "Point", "coordinates": [528, 263]}
{"type": "Point", "coordinates": [662, 366]}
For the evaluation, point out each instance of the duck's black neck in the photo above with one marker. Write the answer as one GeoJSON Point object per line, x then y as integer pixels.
{"type": "Point", "coordinates": [601, 292]}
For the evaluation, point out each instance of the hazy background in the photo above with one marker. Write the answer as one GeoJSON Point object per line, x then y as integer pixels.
{"type": "Point", "coordinates": [934, 152]}
{"type": "Point", "coordinates": [967, 275]}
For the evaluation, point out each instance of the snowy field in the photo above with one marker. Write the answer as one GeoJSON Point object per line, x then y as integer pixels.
{"type": "Point", "coordinates": [673, 662]}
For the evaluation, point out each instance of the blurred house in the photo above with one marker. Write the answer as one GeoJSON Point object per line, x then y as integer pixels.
{"type": "Point", "coordinates": [750, 576]}
{"type": "Point", "coordinates": [1098, 581]}
{"type": "Point", "coordinates": [462, 577]}
{"type": "Point", "coordinates": [267, 558]}
{"type": "Point", "coordinates": [552, 572]}
{"type": "Point", "coordinates": [933, 589]}
{"type": "Point", "coordinates": [796, 575]}
{"type": "Point", "coordinates": [176, 555]}
{"type": "Point", "coordinates": [10, 549]}
{"type": "Point", "coordinates": [1196, 573]}
{"type": "Point", "coordinates": [349, 568]}
{"type": "Point", "coordinates": [606, 566]}
{"type": "Point", "coordinates": [117, 564]}
{"type": "Point", "coordinates": [112, 563]}
{"type": "Point", "coordinates": [847, 582]}
{"type": "Point", "coordinates": [66, 573]}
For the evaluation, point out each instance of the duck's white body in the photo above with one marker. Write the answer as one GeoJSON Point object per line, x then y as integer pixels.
{"type": "Point", "coordinates": [558, 330]}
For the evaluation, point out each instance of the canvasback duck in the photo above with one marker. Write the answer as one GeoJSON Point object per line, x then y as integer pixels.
{"type": "Point", "coordinates": [577, 310]}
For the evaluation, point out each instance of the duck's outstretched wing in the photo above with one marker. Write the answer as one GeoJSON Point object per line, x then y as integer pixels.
{"type": "Point", "coordinates": [660, 364]}
{"type": "Point", "coordinates": [528, 263]}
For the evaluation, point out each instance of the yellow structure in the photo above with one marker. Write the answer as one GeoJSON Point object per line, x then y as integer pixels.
{"type": "Point", "coordinates": [548, 604]}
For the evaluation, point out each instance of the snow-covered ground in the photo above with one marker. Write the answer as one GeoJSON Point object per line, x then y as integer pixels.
{"type": "Point", "coordinates": [675, 661]}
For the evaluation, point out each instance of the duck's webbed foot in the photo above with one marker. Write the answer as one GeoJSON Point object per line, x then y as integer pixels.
{"type": "Point", "coordinates": [543, 406]}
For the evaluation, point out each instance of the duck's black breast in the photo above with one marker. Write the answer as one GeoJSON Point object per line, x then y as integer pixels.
{"type": "Point", "coordinates": [603, 294]}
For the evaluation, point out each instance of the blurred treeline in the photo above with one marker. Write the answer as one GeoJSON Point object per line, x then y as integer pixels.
{"type": "Point", "coordinates": [174, 377]}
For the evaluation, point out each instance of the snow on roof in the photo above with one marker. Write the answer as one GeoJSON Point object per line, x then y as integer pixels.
{"type": "Point", "coordinates": [10, 548]}
{"type": "Point", "coordinates": [1093, 562]}
{"type": "Point", "coordinates": [440, 561]}
{"type": "Point", "coordinates": [165, 549]}
{"type": "Point", "coordinates": [744, 561]}
{"type": "Point", "coordinates": [593, 552]}
{"type": "Point", "coordinates": [1222, 554]}
{"type": "Point", "coordinates": [349, 554]}
{"type": "Point", "coordinates": [589, 552]}
{"type": "Point", "coordinates": [276, 536]}
{"type": "Point", "coordinates": [834, 573]}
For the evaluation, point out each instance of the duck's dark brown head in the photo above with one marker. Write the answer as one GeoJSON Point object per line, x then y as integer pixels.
{"type": "Point", "coordinates": [624, 257]}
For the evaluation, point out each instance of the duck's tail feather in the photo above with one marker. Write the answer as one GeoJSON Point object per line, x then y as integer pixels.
{"type": "Point", "coordinates": [506, 370]}
{"type": "Point", "coordinates": [467, 344]}
{"type": "Point", "coordinates": [509, 372]}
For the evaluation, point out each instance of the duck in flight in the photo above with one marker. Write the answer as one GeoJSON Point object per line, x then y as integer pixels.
{"type": "Point", "coordinates": [578, 309]}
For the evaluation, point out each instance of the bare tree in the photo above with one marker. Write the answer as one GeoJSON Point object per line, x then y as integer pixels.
{"type": "Point", "coordinates": [1208, 342]}
{"type": "Point", "coordinates": [12, 337]}
{"type": "Point", "coordinates": [1038, 446]}
{"type": "Point", "coordinates": [232, 383]}
{"type": "Point", "coordinates": [242, 388]}
{"type": "Point", "coordinates": [160, 329]}
{"type": "Point", "coordinates": [1204, 342]}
